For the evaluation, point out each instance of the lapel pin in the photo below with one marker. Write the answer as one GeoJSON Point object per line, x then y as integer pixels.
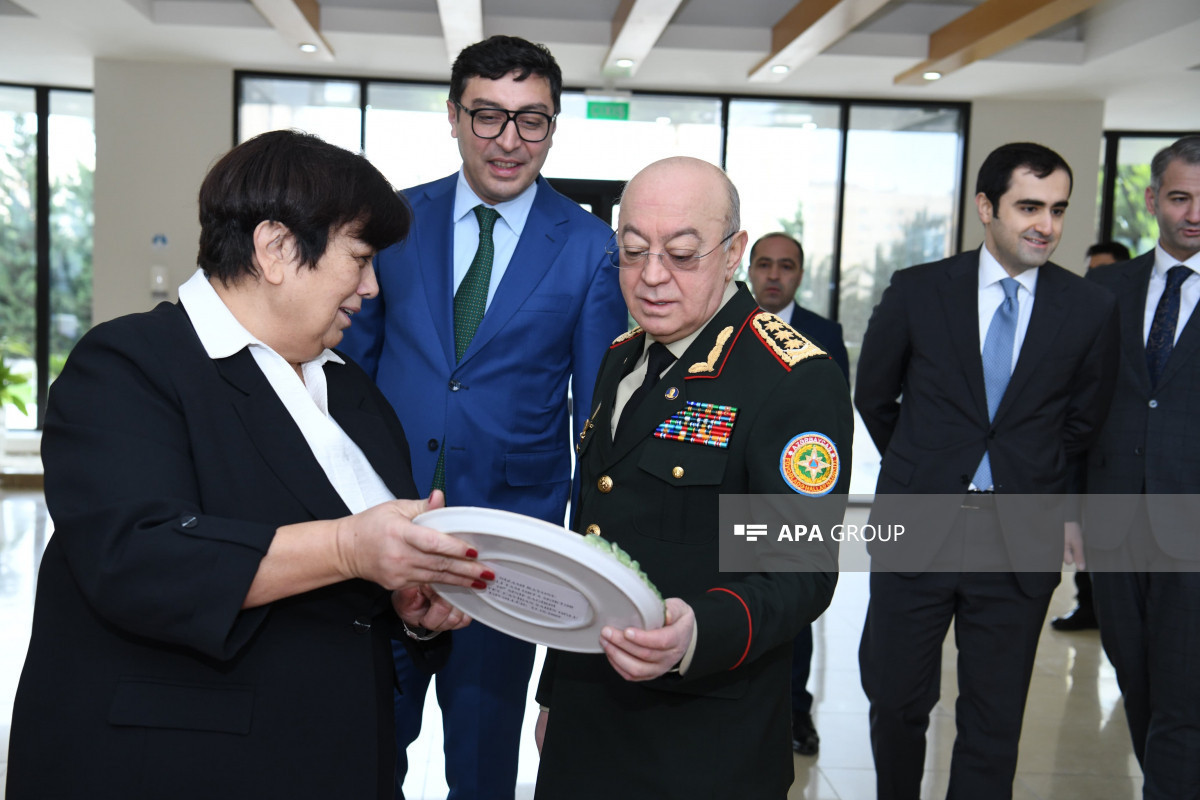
{"type": "Point", "coordinates": [671, 393]}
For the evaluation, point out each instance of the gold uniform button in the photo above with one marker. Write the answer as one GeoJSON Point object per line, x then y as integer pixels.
{"type": "Point", "coordinates": [677, 472]}
{"type": "Point", "coordinates": [605, 484]}
{"type": "Point", "coordinates": [592, 530]}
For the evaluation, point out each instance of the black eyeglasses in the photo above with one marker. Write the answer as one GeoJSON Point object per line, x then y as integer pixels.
{"type": "Point", "coordinates": [638, 257]}
{"type": "Point", "coordinates": [489, 123]}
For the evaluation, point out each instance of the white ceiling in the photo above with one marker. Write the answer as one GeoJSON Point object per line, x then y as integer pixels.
{"type": "Point", "coordinates": [1139, 56]}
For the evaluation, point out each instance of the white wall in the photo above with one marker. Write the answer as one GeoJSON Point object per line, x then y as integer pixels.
{"type": "Point", "coordinates": [159, 127]}
{"type": "Point", "coordinates": [1073, 130]}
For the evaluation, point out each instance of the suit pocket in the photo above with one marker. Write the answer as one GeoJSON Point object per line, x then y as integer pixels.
{"type": "Point", "coordinates": [533, 469]}
{"type": "Point", "coordinates": [685, 485]}
{"type": "Point", "coordinates": [156, 704]}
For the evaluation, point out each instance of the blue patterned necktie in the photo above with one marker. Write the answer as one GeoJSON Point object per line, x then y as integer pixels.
{"type": "Point", "coordinates": [470, 301]}
{"type": "Point", "coordinates": [1161, 341]}
{"type": "Point", "coordinates": [997, 364]}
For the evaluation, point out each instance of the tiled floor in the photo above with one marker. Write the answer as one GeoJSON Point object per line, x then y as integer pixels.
{"type": "Point", "coordinates": [1075, 744]}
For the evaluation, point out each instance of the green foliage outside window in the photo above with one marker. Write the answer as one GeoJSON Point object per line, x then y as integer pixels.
{"type": "Point", "coordinates": [1133, 225]}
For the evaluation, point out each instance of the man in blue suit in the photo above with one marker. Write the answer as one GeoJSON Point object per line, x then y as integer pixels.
{"type": "Point", "coordinates": [502, 295]}
{"type": "Point", "coordinates": [776, 269]}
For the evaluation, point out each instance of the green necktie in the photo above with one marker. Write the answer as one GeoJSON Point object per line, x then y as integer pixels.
{"type": "Point", "coordinates": [470, 301]}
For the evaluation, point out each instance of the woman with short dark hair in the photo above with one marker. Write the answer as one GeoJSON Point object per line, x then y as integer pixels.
{"type": "Point", "coordinates": [229, 564]}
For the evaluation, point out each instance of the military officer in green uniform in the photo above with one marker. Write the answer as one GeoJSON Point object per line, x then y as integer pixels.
{"type": "Point", "coordinates": [710, 395]}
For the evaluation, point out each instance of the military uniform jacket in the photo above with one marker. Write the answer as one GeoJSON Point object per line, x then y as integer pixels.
{"type": "Point", "coordinates": [657, 497]}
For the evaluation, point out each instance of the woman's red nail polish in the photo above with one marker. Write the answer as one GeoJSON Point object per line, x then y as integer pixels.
{"type": "Point", "coordinates": [488, 575]}
{"type": "Point", "coordinates": [478, 585]}
{"type": "Point", "coordinates": [472, 553]}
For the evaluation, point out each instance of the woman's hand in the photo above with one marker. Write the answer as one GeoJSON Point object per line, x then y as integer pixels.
{"type": "Point", "coordinates": [422, 607]}
{"type": "Point", "coordinates": [383, 545]}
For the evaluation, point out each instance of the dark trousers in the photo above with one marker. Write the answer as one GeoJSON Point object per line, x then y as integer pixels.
{"type": "Point", "coordinates": [482, 692]}
{"type": "Point", "coordinates": [1083, 589]}
{"type": "Point", "coordinates": [996, 628]}
{"type": "Point", "coordinates": [802, 650]}
{"type": "Point", "coordinates": [1150, 629]}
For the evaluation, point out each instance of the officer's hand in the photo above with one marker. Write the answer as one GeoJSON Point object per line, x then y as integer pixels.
{"type": "Point", "coordinates": [641, 655]}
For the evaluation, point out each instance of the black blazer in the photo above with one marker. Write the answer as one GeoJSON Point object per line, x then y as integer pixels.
{"type": "Point", "coordinates": [167, 474]}
{"type": "Point", "coordinates": [922, 343]}
{"type": "Point", "coordinates": [1151, 438]}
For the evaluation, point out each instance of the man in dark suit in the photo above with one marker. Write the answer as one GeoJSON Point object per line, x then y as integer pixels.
{"type": "Point", "coordinates": [1146, 453]}
{"type": "Point", "coordinates": [744, 405]}
{"type": "Point", "coordinates": [495, 247]}
{"type": "Point", "coordinates": [776, 269]}
{"type": "Point", "coordinates": [1006, 364]}
{"type": "Point", "coordinates": [1083, 616]}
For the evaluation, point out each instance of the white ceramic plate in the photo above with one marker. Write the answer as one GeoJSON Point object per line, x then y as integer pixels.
{"type": "Point", "coordinates": [551, 587]}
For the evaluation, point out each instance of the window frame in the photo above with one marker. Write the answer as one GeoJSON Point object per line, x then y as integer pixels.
{"type": "Point", "coordinates": [843, 105]}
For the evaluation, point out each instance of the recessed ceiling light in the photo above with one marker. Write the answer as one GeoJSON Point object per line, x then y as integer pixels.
{"type": "Point", "coordinates": [308, 47]}
{"type": "Point", "coordinates": [781, 69]}
{"type": "Point", "coordinates": [624, 63]}
{"type": "Point", "coordinates": [932, 76]}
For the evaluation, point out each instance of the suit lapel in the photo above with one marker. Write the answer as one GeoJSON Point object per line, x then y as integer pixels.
{"type": "Point", "coordinates": [367, 430]}
{"type": "Point", "coordinates": [542, 239]}
{"type": "Point", "coordinates": [1131, 299]}
{"type": "Point", "coordinates": [1049, 311]}
{"type": "Point", "coordinates": [658, 406]}
{"type": "Point", "coordinates": [435, 244]}
{"type": "Point", "coordinates": [605, 395]}
{"type": "Point", "coordinates": [1185, 347]}
{"type": "Point", "coordinates": [960, 302]}
{"type": "Point", "coordinates": [277, 438]}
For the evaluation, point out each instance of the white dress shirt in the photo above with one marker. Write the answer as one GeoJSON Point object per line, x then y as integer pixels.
{"type": "Point", "coordinates": [307, 401]}
{"type": "Point", "coordinates": [505, 235]}
{"type": "Point", "coordinates": [991, 295]}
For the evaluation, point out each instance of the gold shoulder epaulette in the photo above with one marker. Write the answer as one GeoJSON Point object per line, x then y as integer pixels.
{"type": "Point", "coordinates": [709, 364]}
{"type": "Point", "coordinates": [787, 343]}
{"type": "Point", "coordinates": [626, 336]}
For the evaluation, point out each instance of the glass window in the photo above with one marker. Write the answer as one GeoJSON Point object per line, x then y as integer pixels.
{"type": "Point", "coordinates": [1133, 225]}
{"type": "Point", "coordinates": [72, 162]}
{"type": "Point", "coordinates": [408, 133]}
{"type": "Point", "coordinates": [903, 173]}
{"type": "Point", "coordinates": [783, 157]}
{"type": "Point", "coordinates": [18, 255]}
{"type": "Point", "coordinates": [331, 109]}
{"type": "Point", "coordinates": [658, 126]}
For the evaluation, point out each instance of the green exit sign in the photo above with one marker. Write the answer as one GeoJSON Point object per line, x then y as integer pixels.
{"type": "Point", "coordinates": [607, 110]}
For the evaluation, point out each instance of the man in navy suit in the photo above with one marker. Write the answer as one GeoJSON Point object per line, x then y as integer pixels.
{"type": "Point", "coordinates": [487, 409]}
{"type": "Point", "coordinates": [1142, 544]}
{"type": "Point", "coordinates": [776, 269]}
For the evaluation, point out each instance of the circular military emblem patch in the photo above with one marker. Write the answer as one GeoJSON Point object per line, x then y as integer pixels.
{"type": "Point", "coordinates": [810, 464]}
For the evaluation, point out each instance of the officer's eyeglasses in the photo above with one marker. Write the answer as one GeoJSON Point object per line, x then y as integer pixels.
{"type": "Point", "coordinates": [637, 257]}
{"type": "Point", "coordinates": [489, 123]}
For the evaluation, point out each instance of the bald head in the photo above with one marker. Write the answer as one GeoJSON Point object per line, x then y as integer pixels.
{"type": "Point", "coordinates": [674, 209]}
